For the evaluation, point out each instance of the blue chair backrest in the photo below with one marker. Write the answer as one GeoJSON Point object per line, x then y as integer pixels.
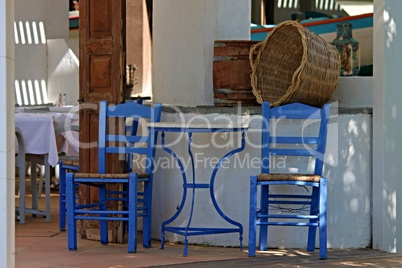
{"type": "Point", "coordinates": [298, 143]}
{"type": "Point", "coordinates": [114, 137]}
{"type": "Point", "coordinates": [131, 129]}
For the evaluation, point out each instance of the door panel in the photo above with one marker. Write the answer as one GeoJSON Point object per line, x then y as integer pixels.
{"type": "Point", "coordinates": [102, 72]}
{"type": "Point", "coordinates": [102, 44]}
{"type": "Point", "coordinates": [100, 19]}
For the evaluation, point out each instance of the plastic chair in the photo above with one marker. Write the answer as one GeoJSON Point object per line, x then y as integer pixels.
{"type": "Point", "coordinates": [71, 163]}
{"type": "Point", "coordinates": [112, 143]}
{"type": "Point", "coordinates": [284, 207]}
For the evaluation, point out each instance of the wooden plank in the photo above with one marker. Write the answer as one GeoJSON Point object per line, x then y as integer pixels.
{"type": "Point", "coordinates": [102, 72]}
{"type": "Point", "coordinates": [231, 73]}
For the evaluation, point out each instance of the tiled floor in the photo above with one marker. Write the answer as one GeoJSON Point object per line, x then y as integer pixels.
{"type": "Point", "coordinates": [40, 244]}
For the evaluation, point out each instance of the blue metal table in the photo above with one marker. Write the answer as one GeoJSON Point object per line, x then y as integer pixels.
{"type": "Point", "coordinates": [192, 185]}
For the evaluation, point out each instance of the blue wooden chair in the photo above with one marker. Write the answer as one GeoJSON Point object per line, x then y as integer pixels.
{"type": "Point", "coordinates": [133, 203]}
{"type": "Point", "coordinates": [71, 164]}
{"type": "Point", "coordinates": [296, 208]}
{"type": "Point", "coordinates": [66, 163]}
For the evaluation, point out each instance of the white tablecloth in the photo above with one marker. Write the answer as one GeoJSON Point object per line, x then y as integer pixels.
{"type": "Point", "coordinates": [38, 130]}
{"type": "Point", "coordinates": [39, 136]}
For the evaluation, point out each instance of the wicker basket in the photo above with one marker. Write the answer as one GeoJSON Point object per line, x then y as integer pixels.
{"type": "Point", "coordinates": [294, 65]}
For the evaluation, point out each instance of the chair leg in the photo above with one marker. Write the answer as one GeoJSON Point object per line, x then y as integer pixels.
{"type": "Point", "coordinates": [323, 218]}
{"type": "Point", "coordinates": [252, 230]}
{"type": "Point", "coordinates": [62, 198]}
{"type": "Point", "coordinates": [162, 238]}
{"type": "Point", "coordinates": [104, 236]}
{"type": "Point", "coordinates": [33, 187]}
{"type": "Point", "coordinates": [42, 175]}
{"type": "Point", "coordinates": [314, 210]}
{"type": "Point", "coordinates": [132, 212]}
{"type": "Point", "coordinates": [71, 204]}
{"type": "Point", "coordinates": [146, 219]}
{"type": "Point", "coordinates": [263, 239]}
{"type": "Point", "coordinates": [47, 188]}
{"type": "Point", "coordinates": [21, 210]}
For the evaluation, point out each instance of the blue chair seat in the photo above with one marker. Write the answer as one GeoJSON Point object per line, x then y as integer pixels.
{"type": "Point", "coordinates": [140, 174]}
{"type": "Point", "coordinates": [288, 177]}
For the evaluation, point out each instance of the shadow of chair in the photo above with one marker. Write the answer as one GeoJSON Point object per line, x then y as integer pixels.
{"type": "Point", "coordinates": [279, 205]}
{"type": "Point", "coordinates": [114, 140]}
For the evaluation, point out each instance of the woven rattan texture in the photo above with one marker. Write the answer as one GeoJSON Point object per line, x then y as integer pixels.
{"type": "Point", "coordinates": [108, 176]}
{"type": "Point", "coordinates": [294, 65]}
{"type": "Point", "coordinates": [71, 162]}
{"type": "Point", "coordinates": [288, 177]}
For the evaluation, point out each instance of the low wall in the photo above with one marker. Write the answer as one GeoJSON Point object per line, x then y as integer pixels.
{"type": "Point", "coordinates": [348, 168]}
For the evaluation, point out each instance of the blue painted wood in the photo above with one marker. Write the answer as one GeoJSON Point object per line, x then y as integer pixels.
{"type": "Point", "coordinates": [192, 186]}
{"type": "Point", "coordinates": [304, 210]}
{"type": "Point", "coordinates": [135, 203]}
{"type": "Point", "coordinates": [63, 168]}
{"type": "Point", "coordinates": [62, 192]}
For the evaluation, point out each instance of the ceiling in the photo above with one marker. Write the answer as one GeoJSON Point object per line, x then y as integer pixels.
{"type": "Point", "coordinates": [356, 7]}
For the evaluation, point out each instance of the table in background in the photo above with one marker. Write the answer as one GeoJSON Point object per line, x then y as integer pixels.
{"type": "Point", "coordinates": [63, 117]}
{"type": "Point", "coordinates": [38, 131]}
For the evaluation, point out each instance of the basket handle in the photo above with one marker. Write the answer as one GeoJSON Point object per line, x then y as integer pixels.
{"type": "Point", "coordinates": [251, 54]}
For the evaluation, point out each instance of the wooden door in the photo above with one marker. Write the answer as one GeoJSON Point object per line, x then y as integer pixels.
{"type": "Point", "coordinates": [102, 76]}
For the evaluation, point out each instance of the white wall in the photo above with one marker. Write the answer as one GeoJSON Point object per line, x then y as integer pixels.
{"type": "Point", "coordinates": [53, 13]}
{"type": "Point", "coordinates": [354, 92]}
{"type": "Point", "coordinates": [62, 72]}
{"type": "Point", "coordinates": [183, 36]}
{"type": "Point", "coordinates": [7, 141]}
{"type": "Point", "coordinates": [387, 126]}
{"type": "Point", "coordinates": [73, 41]}
{"type": "Point", "coordinates": [49, 61]}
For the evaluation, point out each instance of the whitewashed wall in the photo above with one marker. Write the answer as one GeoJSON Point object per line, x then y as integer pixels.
{"type": "Point", "coordinates": [53, 13]}
{"type": "Point", "coordinates": [63, 72]}
{"type": "Point", "coordinates": [7, 134]}
{"type": "Point", "coordinates": [387, 150]}
{"type": "Point", "coordinates": [183, 37]}
{"type": "Point", "coordinates": [49, 61]}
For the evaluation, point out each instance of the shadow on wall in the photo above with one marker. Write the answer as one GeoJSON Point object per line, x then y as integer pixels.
{"type": "Point", "coordinates": [349, 175]}
{"type": "Point", "coordinates": [31, 93]}
{"type": "Point", "coordinates": [347, 165]}
{"type": "Point", "coordinates": [29, 33]}
{"type": "Point", "coordinates": [30, 63]}
{"type": "Point", "coordinates": [44, 68]}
